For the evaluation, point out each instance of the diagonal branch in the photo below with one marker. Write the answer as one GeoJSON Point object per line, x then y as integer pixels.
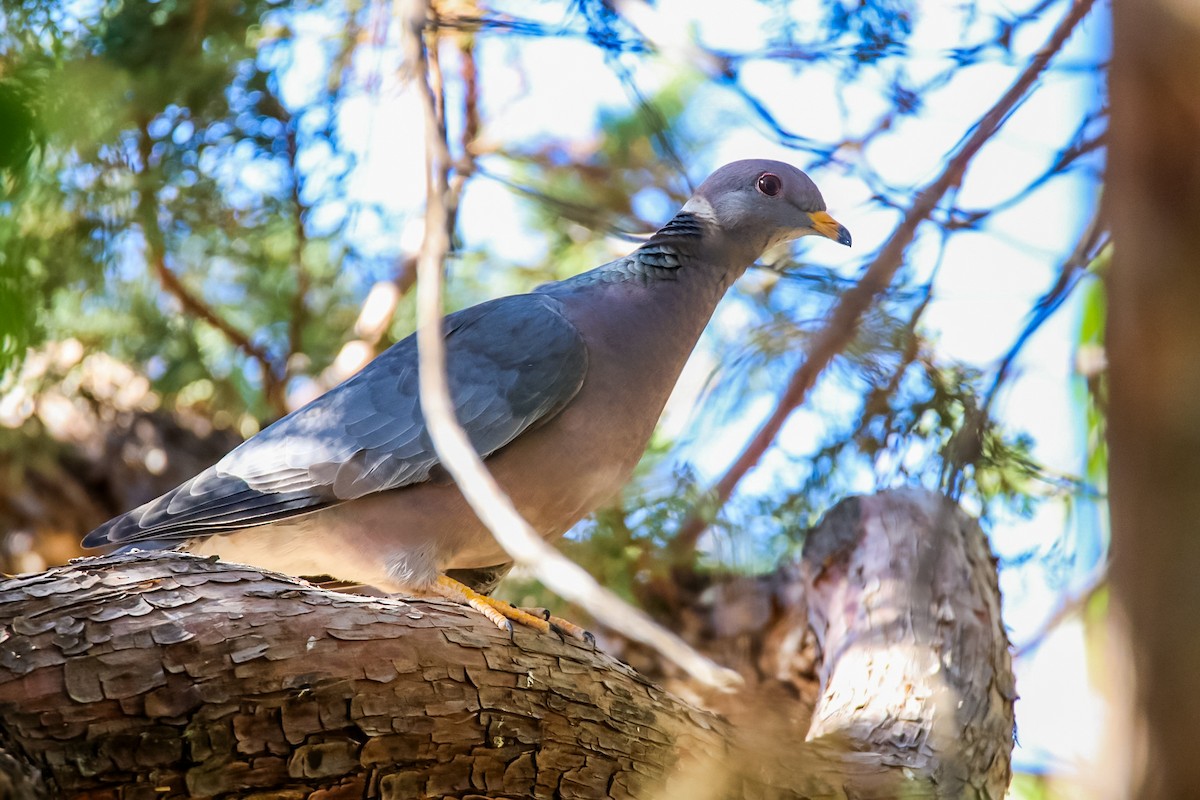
{"type": "Point", "coordinates": [843, 320]}
{"type": "Point", "coordinates": [454, 449]}
{"type": "Point", "coordinates": [192, 303]}
{"type": "Point", "coordinates": [1071, 606]}
{"type": "Point", "coordinates": [1091, 243]}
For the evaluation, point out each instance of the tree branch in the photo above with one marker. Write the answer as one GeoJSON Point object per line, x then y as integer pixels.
{"type": "Point", "coordinates": [843, 320]}
{"type": "Point", "coordinates": [192, 303]}
{"type": "Point", "coordinates": [175, 676]}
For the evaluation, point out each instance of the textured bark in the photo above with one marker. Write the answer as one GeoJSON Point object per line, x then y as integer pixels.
{"type": "Point", "coordinates": [173, 676]}
{"type": "Point", "coordinates": [903, 596]}
{"type": "Point", "coordinates": [1153, 197]}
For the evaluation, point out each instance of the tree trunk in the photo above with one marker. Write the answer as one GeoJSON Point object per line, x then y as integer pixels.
{"type": "Point", "coordinates": [1153, 197]}
{"type": "Point", "coordinates": [167, 675]}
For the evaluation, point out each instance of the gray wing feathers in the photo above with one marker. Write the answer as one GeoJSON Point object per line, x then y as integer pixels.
{"type": "Point", "coordinates": [512, 363]}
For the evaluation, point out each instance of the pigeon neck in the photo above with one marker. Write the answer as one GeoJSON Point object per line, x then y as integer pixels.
{"type": "Point", "coordinates": [674, 245]}
{"type": "Point", "coordinates": [689, 248]}
{"type": "Point", "coordinates": [692, 242]}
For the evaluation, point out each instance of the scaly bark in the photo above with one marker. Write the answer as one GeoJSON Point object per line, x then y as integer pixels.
{"type": "Point", "coordinates": [166, 675]}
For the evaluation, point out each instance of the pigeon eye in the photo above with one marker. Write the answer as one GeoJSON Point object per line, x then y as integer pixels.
{"type": "Point", "coordinates": [769, 184]}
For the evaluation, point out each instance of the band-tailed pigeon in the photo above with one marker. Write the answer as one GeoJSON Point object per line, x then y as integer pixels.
{"type": "Point", "coordinates": [559, 389]}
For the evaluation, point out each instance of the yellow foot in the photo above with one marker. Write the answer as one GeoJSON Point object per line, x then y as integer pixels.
{"type": "Point", "coordinates": [503, 614]}
{"type": "Point", "coordinates": [567, 628]}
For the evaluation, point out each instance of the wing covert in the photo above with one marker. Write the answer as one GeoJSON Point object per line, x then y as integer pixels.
{"type": "Point", "coordinates": [511, 362]}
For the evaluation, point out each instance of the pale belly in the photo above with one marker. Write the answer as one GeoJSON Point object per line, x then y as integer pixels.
{"type": "Point", "coordinates": [399, 541]}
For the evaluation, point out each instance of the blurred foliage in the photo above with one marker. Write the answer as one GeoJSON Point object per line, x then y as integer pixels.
{"type": "Point", "coordinates": [1027, 786]}
{"type": "Point", "coordinates": [21, 139]}
{"type": "Point", "coordinates": [172, 198]}
{"type": "Point", "coordinates": [167, 147]}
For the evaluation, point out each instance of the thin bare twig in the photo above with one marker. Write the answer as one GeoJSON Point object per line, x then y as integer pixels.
{"type": "Point", "coordinates": [458, 456]}
{"type": "Point", "coordinates": [1090, 244]}
{"type": "Point", "coordinates": [1069, 607]}
{"type": "Point", "coordinates": [196, 307]}
{"type": "Point", "coordinates": [374, 320]}
{"type": "Point", "coordinates": [842, 322]}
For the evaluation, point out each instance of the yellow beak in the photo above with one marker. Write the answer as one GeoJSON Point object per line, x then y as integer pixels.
{"type": "Point", "coordinates": [829, 227]}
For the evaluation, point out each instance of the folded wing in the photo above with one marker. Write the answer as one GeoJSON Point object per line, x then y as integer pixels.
{"type": "Point", "coordinates": [513, 363]}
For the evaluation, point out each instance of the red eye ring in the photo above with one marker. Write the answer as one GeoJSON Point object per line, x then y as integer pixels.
{"type": "Point", "coordinates": [769, 184]}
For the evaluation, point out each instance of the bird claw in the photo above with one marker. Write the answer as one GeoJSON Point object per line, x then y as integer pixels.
{"type": "Point", "coordinates": [573, 632]}
{"type": "Point", "coordinates": [503, 614]}
{"type": "Point", "coordinates": [569, 630]}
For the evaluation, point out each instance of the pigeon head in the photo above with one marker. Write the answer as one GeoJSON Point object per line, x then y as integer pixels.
{"type": "Point", "coordinates": [762, 203]}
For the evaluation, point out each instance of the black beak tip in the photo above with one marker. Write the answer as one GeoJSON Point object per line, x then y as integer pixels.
{"type": "Point", "coordinates": [843, 235]}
